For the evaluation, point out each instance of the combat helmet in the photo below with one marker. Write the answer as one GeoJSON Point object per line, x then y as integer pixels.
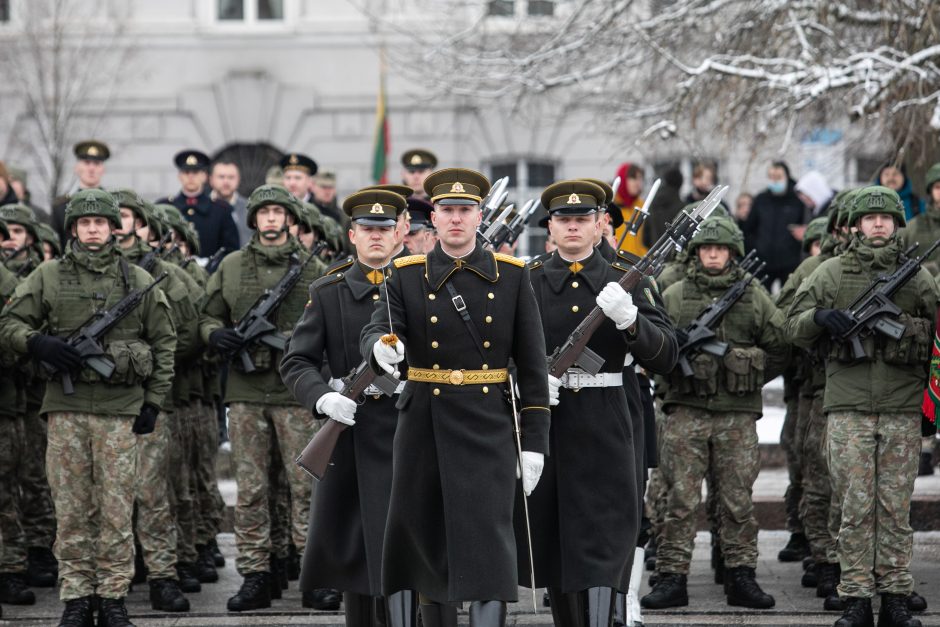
{"type": "Point", "coordinates": [815, 231]}
{"type": "Point", "coordinates": [720, 230]}
{"type": "Point", "coordinates": [92, 202]}
{"type": "Point", "coordinates": [876, 199]}
{"type": "Point", "coordinates": [272, 195]}
{"type": "Point", "coordinates": [18, 213]}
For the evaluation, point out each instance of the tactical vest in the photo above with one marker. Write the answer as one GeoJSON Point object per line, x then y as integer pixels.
{"type": "Point", "coordinates": [741, 370]}
{"type": "Point", "coordinates": [242, 288]}
{"type": "Point", "coordinates": [913, 347]}
{"type": "Point", "coordinates": [77, 299]}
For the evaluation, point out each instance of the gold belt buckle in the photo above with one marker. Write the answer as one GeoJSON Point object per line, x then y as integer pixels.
{"type": "Point", "coordinates": [456, 377]}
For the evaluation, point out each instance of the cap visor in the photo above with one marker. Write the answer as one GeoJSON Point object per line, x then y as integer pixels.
{"type": "Point", "coordinates": [375, 221]}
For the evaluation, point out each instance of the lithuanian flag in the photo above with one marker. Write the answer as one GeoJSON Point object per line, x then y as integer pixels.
{"type": "Point", "coordinates": [380, 150]}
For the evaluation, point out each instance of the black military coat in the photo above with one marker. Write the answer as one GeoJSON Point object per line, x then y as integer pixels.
{"type": "Point", "coordinates": [450, 530]}
{"type": "Point", "coordinates": [212, 219]}
{"type": "Point", "coordinates": [350, 504]}
{"type": "Point", "coordinates": [585, 512]}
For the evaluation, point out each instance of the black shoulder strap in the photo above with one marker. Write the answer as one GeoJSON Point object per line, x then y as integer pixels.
{"type": "Point", "coordinates": [125, 274]}
{"type": "Point", "coordinates": [461, 308]}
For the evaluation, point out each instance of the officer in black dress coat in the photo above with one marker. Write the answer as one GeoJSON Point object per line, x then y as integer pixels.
{"type": "Point", "coordinates": [347, 528]}
{"type": "Point", "coordinates": [212, 218]}
{"type": "Point", "coordinates": [450, 523]}
{"type": "Point", "coordinates": [586, 510]}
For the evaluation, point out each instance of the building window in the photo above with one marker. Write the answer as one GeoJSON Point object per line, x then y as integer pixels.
{"type": "Point", "coordinates": [541, 7]}
{"type": "Point", "coordinates": [527, 178]}
{"type": "Point", "coordinates": [248, 11]}
{"type": "Point", "coordinates": [4, 10]}
{"type": "Point", "coordinates": [500, 8]}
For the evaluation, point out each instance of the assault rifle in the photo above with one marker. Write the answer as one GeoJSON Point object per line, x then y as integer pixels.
{"type": "Point", "coordinates": [701, 332]}
{"type": "Point", "coordinates": [575, 351]}
{"type": "Point", "coordinates": [873, 309]}
{"type": "Point", "coordinates": [150, 259]}
{"type": "Point", "coordinates": [87, 338]}
{"type": "Point", "coordinates": [315, 458]}
{"type": "Point", "coordinates": [211, 264]}
{"type": "Point", "coordinates": [256, 325]}
{"type": "Point", "coordinates": [508, 226]}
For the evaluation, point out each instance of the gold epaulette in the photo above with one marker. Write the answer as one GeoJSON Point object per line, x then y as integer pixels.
{"type": "Point", "coordinates": [342, 265]}
{"type": "Point", "coordinates": [509, 259]}
{"type": "Point", "coordinates": [410, 260]}
{"type": "Point", "coordinates": [328, 279]}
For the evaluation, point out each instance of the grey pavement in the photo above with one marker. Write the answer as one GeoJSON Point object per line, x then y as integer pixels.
{"type": "Point", "coordinates": [795, 605]}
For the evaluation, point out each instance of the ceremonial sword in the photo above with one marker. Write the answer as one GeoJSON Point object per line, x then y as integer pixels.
{"type": "Point", "coordinates": [525, 499]}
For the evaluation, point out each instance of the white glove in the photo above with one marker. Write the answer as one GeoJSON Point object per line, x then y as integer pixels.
{"type": "Point", "coordinates": [532, 465]}
{"type": "Point", "coordinates": [617, 305]}
{"type": "Point", "coordinates": [387, 356]}
{"type": "Point", "coordinates": [554, 383]}
{"type": "Point", "coordinates": [337, 407]}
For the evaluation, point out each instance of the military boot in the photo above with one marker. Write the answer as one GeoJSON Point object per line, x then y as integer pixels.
{"type": "Point", "coordinates": [217, 556]}
{"type": "Point", "coordinates": [78, 613]}
{"type": "Point", "coordinates": [925, 467]}
{"type": "Point", "coordinates": [438, 615]}
{"type": "Point", "coordinates": [670, 591]}
{"type": "Point", "coordinates": [827, 578]}
{"type": "Point", "coordinates": [401, 609]}
{"type": "Point", "coordinates": [359, 610]}
{"type": "Point", "coordinates": [254, 594]}
{"type": "Point", "coordinates": [42, 569]}
{"type": "Point", "coordinates": [325, 599]}
{"type": "Point", "coordinates": [810, 577]}
{"type": "Point", "coordinates": [488, 614]}
{"type": "Point", "coordinates": [166, 596]}
{"type": "Point", "coordinates": [112, 613]}
{"type": "Point", "coordinates": [857, 613]}
{"type": "Point", "coordinates": [895, 613]}
{"type": "Point", "coordinates": [743, 590]}
{"type": "Point", "coordinates": [834, 603]}
{"type": "Point", "coordinates": [13, 590]}
{"type": "Point", "coordinates": [796, 549]}
{"type": "Point", "coordinates": [204, 565]}
{"type": "Point", "coordinates": [916, 603]}
{"type": "Point", "coordinates": [187, 577]}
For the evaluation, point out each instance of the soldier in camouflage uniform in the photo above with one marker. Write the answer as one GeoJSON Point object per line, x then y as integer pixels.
{"type": "Point", "coordinates": [260, 406]}
{"type": "Point", "coordinates": [92, 451]}
{"type": "Point", "coordinates": [156, 527]}
{"type": "Point", "coordinates": [7, 362]}
{"type": "Point", "coordinates": [51, 246]}
{"type": "Point", "coordinates": [873, 408]}
{"type": "Point", "coordinates": [28, 522]}
{"type": "Point", "coordinates": [198, 395]}
{"type": "Point", "coordinates": [710, 419]}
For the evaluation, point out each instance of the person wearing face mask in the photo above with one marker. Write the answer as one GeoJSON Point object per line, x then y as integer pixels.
{"type": "Point", "coordinates": [261, 408]}
{"type": "Point", "coordinates": [873, 407]}
{"type": "Point", "coordinates": [710, 419]}
{"type": "Point", "coordinates": [772, 225]}
{"type": "Point", "coordinates": [894, 176]}
{"type": "Point", "coordinates": [93, 432]}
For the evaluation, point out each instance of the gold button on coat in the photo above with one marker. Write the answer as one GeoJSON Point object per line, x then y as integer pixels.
{"type": "Point", "coordinates": [491, 296]}
{"type": "Point", "coordinates": [574, 284]}
{"type": "Point", "coordinates": [486, 390]}
{"type": "Point", "coordinates": [489, 318]}
{"type": "Point", "coordinates": [437, 391]}
{"type": "Point", "coordinates": [431, 296]}
{"type": "Point", "coordinates": [486, 343]}
{"type": "Point", "coordinates": [433, 319]}
{"type": "Point", "coordinates": [575, 309]}
{"type": "Point", "coordinates": [434, 344]}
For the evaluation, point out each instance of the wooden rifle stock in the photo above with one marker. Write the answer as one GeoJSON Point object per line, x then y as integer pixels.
{"type": "Point", "coordinates": [315, 458]}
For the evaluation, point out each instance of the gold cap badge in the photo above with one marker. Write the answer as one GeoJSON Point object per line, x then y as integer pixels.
{"type": "Point", "coordinates": [293, 160]}
{"type": "Point", "coordinates": [92, 151]}
{"type": "Point", "coordinates": [191, 160]}
{"type": "Point", "coordinates": [574, 199]}
{"type": "Point", "coordinates": [415, 159]}
{"type": "Point", "coordinates": [457, 188]}
{"type": "Point", "coordinates": [376, 208]}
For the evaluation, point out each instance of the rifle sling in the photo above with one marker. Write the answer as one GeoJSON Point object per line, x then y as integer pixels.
{"type": "Point", "coordinates": [461, 308]}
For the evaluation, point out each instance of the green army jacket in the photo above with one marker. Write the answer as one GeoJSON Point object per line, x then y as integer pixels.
{"type": "Point", "coordinates": [892, 378]}
{"type": "Point", "coordinates": [241, 278]}
{"type": "Point", "coordinates": [60, 295]}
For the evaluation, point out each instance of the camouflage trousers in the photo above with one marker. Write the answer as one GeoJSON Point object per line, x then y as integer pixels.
{"type": "Point", "coordinates": [208, 505]}
{"type": "Point", "coordinates": [791, 442]}
{"type": "Point", "coordinates": [156, 528]}
{"type": "Point", "coordinates": [12, 442]}
{"type": "Point", "coordinates": [693, 441]}
{"type": "Point", "coordinates": [91, 462]}
{"type": "Point", "coordinates": [873, 460]}
{"type": "Point", "coordinates": [817, 486]}
{"type": "Point", "coordinates": [279, 504]}
{"type": "Point", "coordinates": [181, 489]}
{"type": "Point", "coordinates": [252, 428]}
{"type": "Point", "coordinates": [36, 510]}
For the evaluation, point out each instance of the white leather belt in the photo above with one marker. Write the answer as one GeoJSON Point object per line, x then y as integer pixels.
{"type": "Point", "coordinates": [372, 390]}
{"type": "Point", "coordinates": [575, 379]}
